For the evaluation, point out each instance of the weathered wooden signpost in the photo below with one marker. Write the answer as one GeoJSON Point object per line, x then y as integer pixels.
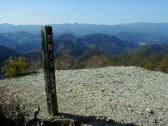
{"type": "Point", "coordinates": [49, 70]}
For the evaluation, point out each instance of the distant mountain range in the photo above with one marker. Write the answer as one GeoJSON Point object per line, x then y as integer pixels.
{"type": "Point", "coordinates": [142, 33]}
{"type": "Point", "coordinates": [5, 53]}
{"type": "Point", "coordinates": [74, 40]}
{"type": "Point", "coordinates": [106, 44]}
{"type": "Point", "coordinates": [143, 38]}
{"type": "Point", "coordinates": [84, 29]}
{"type": "Point", "coordinates": [23, 42]}
{"type": "Point", "coordinates": [20, 41]}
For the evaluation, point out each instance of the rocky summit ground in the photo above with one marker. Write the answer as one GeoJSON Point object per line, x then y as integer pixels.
{"type": "Point", "coordinates": [123, 94]}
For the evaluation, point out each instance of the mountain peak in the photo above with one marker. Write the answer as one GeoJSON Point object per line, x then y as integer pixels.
{"type": "Point", "coordinates": [66, 36]}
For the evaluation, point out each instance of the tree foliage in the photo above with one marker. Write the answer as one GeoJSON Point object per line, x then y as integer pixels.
{"type": "Point", "coordinates": [15, 67]}
{"type": "Point", "coordinates": [154, 62]}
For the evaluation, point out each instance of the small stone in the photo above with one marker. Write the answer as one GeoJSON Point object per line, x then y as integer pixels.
{"type": "Point", "coordinates": [108, 119]}
{"type": "Point", "coordinates": [103, 90]}
{"type": "Point", "coordinates": [152, 112]}
{"type": "Point", "coordinates": [149, 111]}
{"type": "Point", "coordinates": [130, 109]}
{"type": "Point", "coordinates": [156, 121]}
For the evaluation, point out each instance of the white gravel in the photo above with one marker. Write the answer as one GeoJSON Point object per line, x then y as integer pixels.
{"type": "Point", "coordinates": [124, 94]}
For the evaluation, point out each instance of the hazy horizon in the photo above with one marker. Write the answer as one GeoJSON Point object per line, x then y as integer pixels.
{"type": "Point", "coordinates": [83, 12]}
{"type": "Point", "coordinates": [1, 23]}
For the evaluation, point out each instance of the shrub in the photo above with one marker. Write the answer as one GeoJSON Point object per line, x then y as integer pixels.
{"type": "Point", "coordinates": [63, 63]}
{"type": "Point", "coordinates": [15, 67]}
{"type": "Point", "coordinates": [164, 65]}
{"type": "Point", "coordinates": [98, 61]}
{"type": "Point", "coordinates": [148, 66]}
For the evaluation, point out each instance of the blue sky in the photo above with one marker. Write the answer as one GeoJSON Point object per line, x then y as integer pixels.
{"type": "Point", "coordinates": [83, 11]}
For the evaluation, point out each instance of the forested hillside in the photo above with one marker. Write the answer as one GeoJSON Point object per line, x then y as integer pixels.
{"type": "Point", "coordinates": [5, 53]}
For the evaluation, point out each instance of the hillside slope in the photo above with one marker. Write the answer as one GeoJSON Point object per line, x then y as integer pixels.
{"type": "Point", "coordinates": [124, 94]}
{"type": "Point", "coordinates": [5, 53]}
{"type": "Point", "coordinates": [104, 43]}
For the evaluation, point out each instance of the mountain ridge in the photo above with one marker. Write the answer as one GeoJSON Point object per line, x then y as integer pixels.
{"type": "Point", "coordinates": [83, 29]}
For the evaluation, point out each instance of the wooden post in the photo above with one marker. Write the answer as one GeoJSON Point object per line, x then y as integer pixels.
{"type": "Point", "coordinates": [49, 70]}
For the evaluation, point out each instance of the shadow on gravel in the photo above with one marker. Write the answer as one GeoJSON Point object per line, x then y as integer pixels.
{"type": "Point", "coordinates": [65, 120]}
{"type": "Point", "coordinates": [13, 116]}
{"type": "Point", "coordinates": [93, 120]}
{"type": "Point", "coordinates": [6, 122]}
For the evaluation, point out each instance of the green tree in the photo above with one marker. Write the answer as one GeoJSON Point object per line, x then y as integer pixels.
{"type": "Point", "coordinates": [164, 65]}
{"type": "Point", "coordinates": [15, 67]}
